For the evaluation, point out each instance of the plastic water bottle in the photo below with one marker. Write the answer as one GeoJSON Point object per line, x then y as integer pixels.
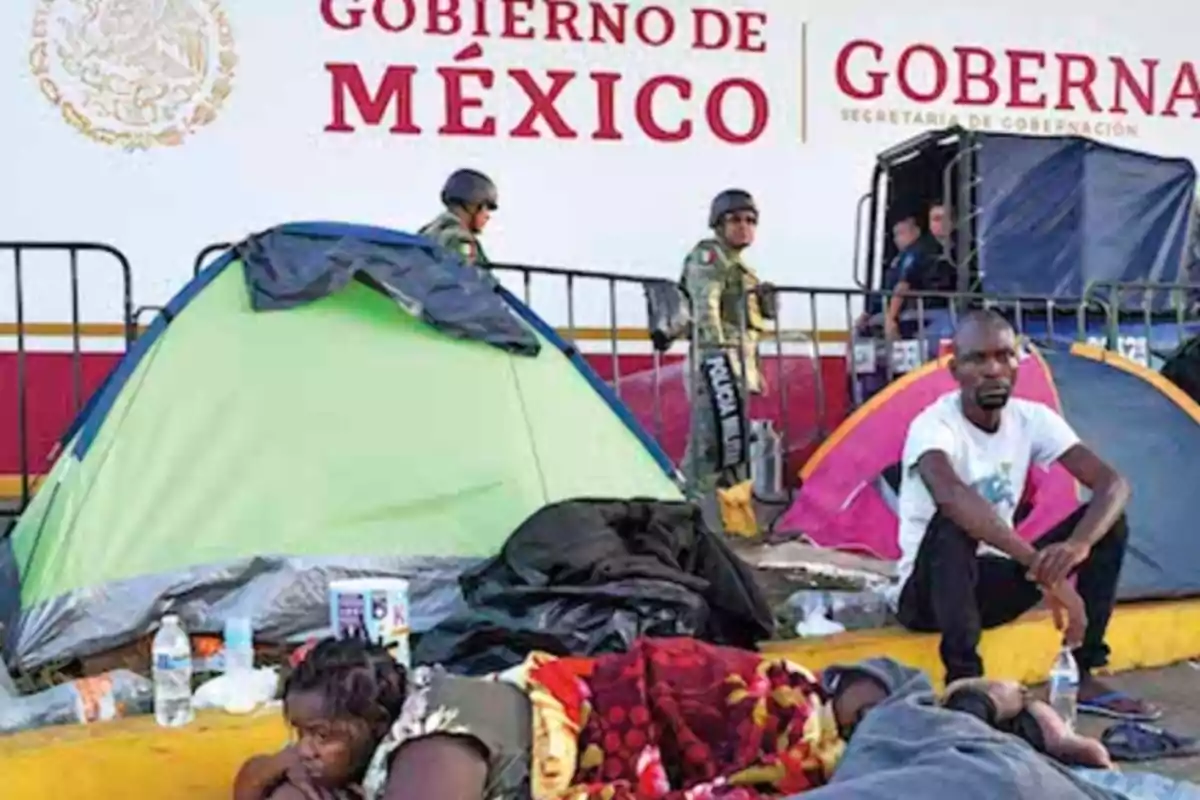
{"type": "Point", "coordinates": [239, 645]}
{"type": "Point", "coordinates": [99, 698]}
{"type": "Point", "coordinates": [172, 658]}
{"type": "Point", "coordinates": [1064, 686]}
{"type": "Point", "coordinates": [240, 697]}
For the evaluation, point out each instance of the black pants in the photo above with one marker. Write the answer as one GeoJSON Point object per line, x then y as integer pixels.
{"type": "Point", "coordinates": [955, 591]}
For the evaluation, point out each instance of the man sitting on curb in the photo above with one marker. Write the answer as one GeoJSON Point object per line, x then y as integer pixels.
{"type": "Point", "coordinates": [963, 568]}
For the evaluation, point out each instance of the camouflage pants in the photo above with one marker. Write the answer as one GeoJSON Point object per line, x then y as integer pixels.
{"type": "Point", "coordinates": [701, 468]}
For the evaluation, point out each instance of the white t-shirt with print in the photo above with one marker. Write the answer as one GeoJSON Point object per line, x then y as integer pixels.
{"type": "Point", "coordinates": [994, 464]}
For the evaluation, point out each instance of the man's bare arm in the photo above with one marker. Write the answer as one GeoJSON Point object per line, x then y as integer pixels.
{"type": "Point", "coordinates": [1110, 493]}
{"type": "Point", "coordinates": [963, 506]}
{"type": "Point", "coordinates": [896, 304]}
{"type": "Point", "coordinates": [1007, 696]}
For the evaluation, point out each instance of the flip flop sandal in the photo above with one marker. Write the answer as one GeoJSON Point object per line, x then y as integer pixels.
{"type": "Point", "coordinates": [1135, 741]}
{"type": "Point", "coordinates": [1104, 706]}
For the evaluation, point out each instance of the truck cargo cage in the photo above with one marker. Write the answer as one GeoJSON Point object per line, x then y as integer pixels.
{"type": "Point", "coordinates": [1034, 215]}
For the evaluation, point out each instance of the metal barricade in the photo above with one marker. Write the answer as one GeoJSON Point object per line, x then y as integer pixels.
{"type": "Point", "coordinates": [854, 355]}
{"type": "Point", "coordinates": [205, 256]}
{"type": "Point", "coordinates": [823, 354]}
{"type": "Point", "coordinates": [565, 299]}
{"type": "Point", "coordinates": [18, 255]}
{"type": "Point", "coordinates": [616, 310]}
{"type": "Point", "coordinates": [1145, 320]}
{"type": "Point", "coordinates": [611, 309]}
{"type": "Point", "coordinates": [856, 319]}
{"type": "Point", "coordinates": [598, 332]}
{"type": "Point", "coordinates": [528, 282]}
{"type": "Point", "coordinates": [604, 315]}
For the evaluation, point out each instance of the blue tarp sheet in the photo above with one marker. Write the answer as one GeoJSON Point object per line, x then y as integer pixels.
{"type": "Point", "coordinates": [1058, 213]}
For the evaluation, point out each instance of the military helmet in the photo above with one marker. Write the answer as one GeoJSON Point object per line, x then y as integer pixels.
{"type": "Point", "coordinates": [468, 187]}
{"type": "Point", "coordinates": [729, 201]}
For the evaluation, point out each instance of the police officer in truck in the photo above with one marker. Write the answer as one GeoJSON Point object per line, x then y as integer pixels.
{"type": "Point", "coordinates": [908, 273]}
{"type": "Point", "coordinates": [939, 243]}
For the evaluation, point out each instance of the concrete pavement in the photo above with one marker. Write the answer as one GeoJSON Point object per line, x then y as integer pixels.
{"type": "Point", "coordinates": [1174, 689]}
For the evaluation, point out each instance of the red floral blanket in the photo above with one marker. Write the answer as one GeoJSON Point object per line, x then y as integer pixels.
{"type": "Point", "coordinates": [677, 719]}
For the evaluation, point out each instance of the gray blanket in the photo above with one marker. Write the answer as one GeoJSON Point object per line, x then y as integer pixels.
{"type": "Point", "coordinates": [908, 747]}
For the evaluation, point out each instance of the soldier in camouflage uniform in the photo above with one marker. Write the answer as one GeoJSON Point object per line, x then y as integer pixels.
{"type": "Point", "coordinates": [470, 197]}
{"type": "Point", "coordinates": [730, 307]}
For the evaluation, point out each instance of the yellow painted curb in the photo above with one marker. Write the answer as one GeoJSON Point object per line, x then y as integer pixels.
{"type": "Point", "coordinates": [135, 758]}
{"type": "Point", "coordinates": [198, 762]}
{"type": "Point", "coordinates": [1141, 635]}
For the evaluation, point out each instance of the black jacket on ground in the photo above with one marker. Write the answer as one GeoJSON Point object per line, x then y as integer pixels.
{"type": "Point", "coordinates": [584, 577]}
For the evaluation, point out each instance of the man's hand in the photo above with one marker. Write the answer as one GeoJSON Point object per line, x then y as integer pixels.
{"type": "Point", "coordinates": [768, 298]}
{"type": "Point", "coordinates": [269, 775]}
{"type": "Point", "coordinates": [891, 328]}
{"type": "Point", "coordinates": [966, 507]}
{"type": "Point", "coordinates": [292, 791]}
{"type": "Point", "coordinates": [1055, 563]}
{"type": "Point", "coordinates": [1070, 616]}
{"type": "Point", "coordinates": [300, 779]}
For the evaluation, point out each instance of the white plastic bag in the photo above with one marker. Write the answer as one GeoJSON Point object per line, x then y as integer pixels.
{"type": "Point", "coordinates": [238, 692]}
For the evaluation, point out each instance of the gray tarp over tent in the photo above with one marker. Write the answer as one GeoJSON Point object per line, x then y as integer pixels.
{"type": "Point", "coordinates": [1057, 213]}
{"type": "Point", "coordinates": [286, 267]}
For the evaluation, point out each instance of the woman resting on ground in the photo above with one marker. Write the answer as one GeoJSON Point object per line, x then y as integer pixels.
{"type": "Point", "coordinates": [669, 715]}
{"type": "Point", "coordinates": [340, 700]}
{"type": "Point", "coordinates": [671, 719]}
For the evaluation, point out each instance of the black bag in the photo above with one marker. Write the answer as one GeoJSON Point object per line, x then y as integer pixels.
{"type": "Point", "coordinates": [669, 313]}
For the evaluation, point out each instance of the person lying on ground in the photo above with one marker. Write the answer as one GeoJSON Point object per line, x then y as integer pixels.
{"type": "Point", "coordinates": [340, 700]}
{"type": "Point", "coordinates": [963, 567]}
{"type": "Point", "coordinates": [588, 743]}
{"type": "Point", "coordinates": [671, 718]}
{"type": "Point", "coordinates": [1003, 705]}
{"type": "Point", "coordinates": [981, 739]}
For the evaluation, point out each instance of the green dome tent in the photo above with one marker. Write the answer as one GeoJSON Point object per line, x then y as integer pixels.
{"type": "Point", "coordinates": [323, 401]}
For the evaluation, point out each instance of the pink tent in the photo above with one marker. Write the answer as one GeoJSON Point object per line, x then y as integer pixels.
{"type": "Point", "coordinates": [844, 502]}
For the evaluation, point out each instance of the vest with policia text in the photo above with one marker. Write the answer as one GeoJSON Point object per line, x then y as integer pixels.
{"type": "Point", "coordinates": [723, 294]}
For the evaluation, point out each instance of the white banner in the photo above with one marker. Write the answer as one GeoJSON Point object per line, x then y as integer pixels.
{"type": "Point", "coordinates": [162, 125]}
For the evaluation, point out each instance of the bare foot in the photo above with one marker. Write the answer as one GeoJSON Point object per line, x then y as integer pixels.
{"type": "Point", "coordinates": [1113, 703]}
